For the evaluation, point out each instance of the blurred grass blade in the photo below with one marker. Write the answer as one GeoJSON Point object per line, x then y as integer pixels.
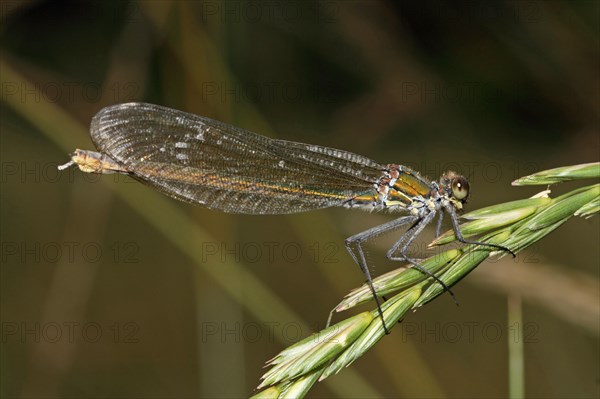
{"type": "Point", "coordinates": [559, 175]}
{"type": "Point", "coordinates": [516, 355]}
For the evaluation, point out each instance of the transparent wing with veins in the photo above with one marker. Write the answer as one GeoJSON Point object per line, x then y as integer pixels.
{"type": "Point", "coordinates": [203, 161]}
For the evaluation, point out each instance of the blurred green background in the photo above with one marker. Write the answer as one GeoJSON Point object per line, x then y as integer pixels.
{"type": "Point", "coordinates": [112, 290]}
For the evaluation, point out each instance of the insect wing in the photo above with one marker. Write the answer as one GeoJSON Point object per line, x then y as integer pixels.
{"type": "Point", "coordinates": [203, 161]}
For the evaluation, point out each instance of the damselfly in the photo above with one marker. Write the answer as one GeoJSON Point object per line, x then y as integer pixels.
{"type": "Point", "coordinates": [210, 163]}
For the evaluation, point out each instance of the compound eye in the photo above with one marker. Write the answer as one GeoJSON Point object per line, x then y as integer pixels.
{"type": "Point", "coordinates": [460, 188]}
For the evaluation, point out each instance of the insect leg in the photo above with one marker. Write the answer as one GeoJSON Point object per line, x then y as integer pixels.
{"type": "Point", "coordinates": [461, 238]}
{"type": "Point", "coordinates": [354, 247]}
{"type": "Point", "coordinates": [401, 247]}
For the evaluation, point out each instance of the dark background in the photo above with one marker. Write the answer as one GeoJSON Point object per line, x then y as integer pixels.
{"type": "Point", "coordinates": [111, 290]}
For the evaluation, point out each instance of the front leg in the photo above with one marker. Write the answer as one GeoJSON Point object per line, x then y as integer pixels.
{"type": "Point", "coordinates": [461, 238]}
